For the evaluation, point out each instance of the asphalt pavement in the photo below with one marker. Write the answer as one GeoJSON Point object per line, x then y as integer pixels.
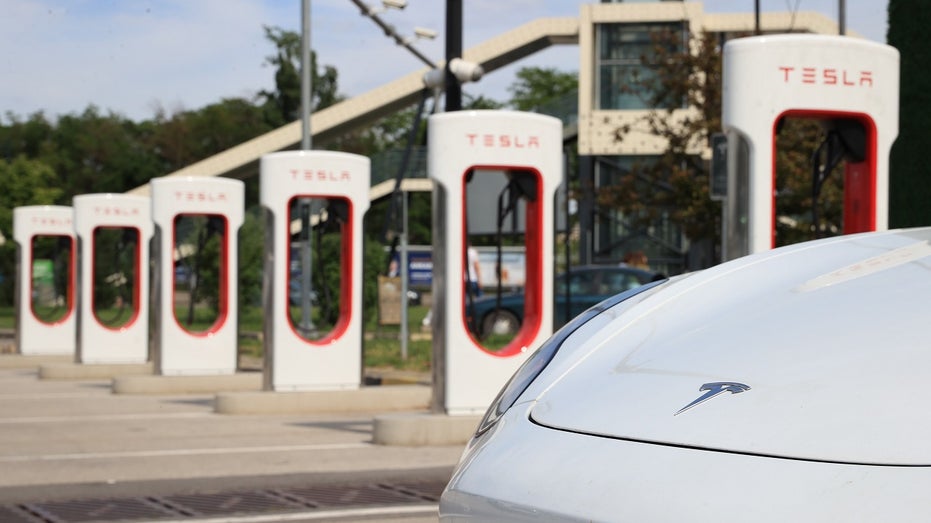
{"type": "Point", "coordinates": [72, 450]}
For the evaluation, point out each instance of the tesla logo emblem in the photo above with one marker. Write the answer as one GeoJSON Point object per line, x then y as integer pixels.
{"type": "Point", "coordinates": [714, 389]}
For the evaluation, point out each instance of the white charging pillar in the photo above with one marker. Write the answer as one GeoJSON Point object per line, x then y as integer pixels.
{"type": "Point", "coordinates": [117, 331]}
{"type": "Point", "coordinates": [180, 350]}
{"type": "Point", "coordinates": [466, 374]}
{"type": "Point", "coordinates": [295, 360]}
{"type": "Point", "coordinates": [829, 78]}
{"type": "Point", "coordinates": [45, 319]}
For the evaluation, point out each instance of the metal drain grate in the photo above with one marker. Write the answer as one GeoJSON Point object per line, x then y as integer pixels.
{"type": "Point", "coordinates": [15, 515]}
{"type": "Point", "coordinates": [240, 502]}
{"type": "Point", "coordinates": [125, 509]}
{"type": "Point", "coordinates": [345, 496]}
{"type": "Point", "coordinates": [233, 503]}
{"type": "Point", "coordinates": [425, 490]}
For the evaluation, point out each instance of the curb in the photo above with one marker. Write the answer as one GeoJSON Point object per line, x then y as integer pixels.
{"type": "Point", "coordinates": [413, 430]}
{"type": "Point", "coordinates": [365, 399]}
{"type": "Point", "coordinates": [20, 361]}
{"type": "Point", "coordinates": [91, 371]}
{"type": "Point", "coordinates": [241, 381]}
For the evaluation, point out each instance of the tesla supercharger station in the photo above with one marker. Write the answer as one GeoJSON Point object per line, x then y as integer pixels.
{"type": "Point", "coordinates": [45, 289]}
{"type": "Point", "coordinates": [850, 85]}
{"type": "Point", "coordinates": [113, 232]}
{"type": "Point", "coordinates": [305, 194]}
{"type": "Point", "coordinates": [525, 150]}
{"type": "Point", "coordinates": [198, 219]}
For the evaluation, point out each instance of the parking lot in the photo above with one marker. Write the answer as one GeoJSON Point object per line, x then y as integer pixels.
{"type": "Point", "coordinates": [72, 450]}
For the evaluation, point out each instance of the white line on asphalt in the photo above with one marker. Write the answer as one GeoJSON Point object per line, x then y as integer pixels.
{"type": "Point", "coordinates": [381, 512]}
{"type": "Point", "coordinates": [183, 452]}
{"type": "Point", "coordinates": [19, 396]}
{"type": "Point", "coordinates": [107, 417]}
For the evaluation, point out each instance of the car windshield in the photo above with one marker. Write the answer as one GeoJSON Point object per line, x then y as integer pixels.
{"type": "Point", "coordinates": [579, 283]}
{"type": "Point", "coordinates": [600, 282]}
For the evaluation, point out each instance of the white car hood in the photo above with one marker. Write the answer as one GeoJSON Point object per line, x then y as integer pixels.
{"type": "Point", "coordinates": [832, 338]}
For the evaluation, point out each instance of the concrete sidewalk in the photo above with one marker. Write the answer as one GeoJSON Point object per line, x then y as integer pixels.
{"type": "Point", "coordinates": [400, 399]}
{"type": "Point", "coordinates": [75, 439]}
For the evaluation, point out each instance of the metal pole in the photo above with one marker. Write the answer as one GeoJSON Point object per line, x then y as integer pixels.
{"type": "Point", "coordinates": [756, 17]}
{"type": "Point", "coordinates": [306, 254]}
{"type": "Point", "coordinates": [842, 16]}
{"type": "Point", "coordinates": [306, 77]}
{"type": "Point", "coordinates": [453, 50]}
{"type": "Point", "coordinates": [402, 266]}
{"type": "Point", "coordinates": [307, 322]}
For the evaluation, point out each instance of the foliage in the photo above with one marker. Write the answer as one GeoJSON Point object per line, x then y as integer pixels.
{"type": "Point", "coordinates": [382, 349]}
{"type": "Point", "coordinates": [480, 102]}
{"type": "Point", "coordinates": [205, 234]}
{"type": "Point", "coordinates": [536, 86]}
{"type": "Point", "coordinates": [7, 317]}
{"type": "Point", "coordinates": [88, 152]}
{"type": "Point", "coordinates": [382, 352]}
{"type": "Point", "coordinates": [96, 153]}
{"type": "Point", "coordinates": [49, 160]}
{"type": "Point", "coordinates": [114, 274]}
{"type": "Point", "coordinates": [251, 258]}
{"type": "Point", "coordinates": [794, 178]}
{"type": "Point", "coordinates": [676, 184]}
{"type": "Point", "coordinates": [186, 137]}
{"type": "Point", "coordinates": [909, 190]}
{"type": "Point", "coordinates": [23, 182]}
{"type": "Point", "coordinates": [284, 104]}
{"type": "Point", "coordinates": [28, 138]}
{"type": "Point", "coordinates": [374, 261]}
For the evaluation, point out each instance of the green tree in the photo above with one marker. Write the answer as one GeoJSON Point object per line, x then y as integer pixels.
{"type": "Point", "coordinates": [909, 191]}
{"type": "Point", "coordinates": [481, 102]}
{"type": "Point", "coordinates": [284, 103]}
{"type": "Point", "coordinates": [251, 257]}
{"type": "Point", "coordinates": [96, 153]}
{"type": "Point", "coordinates": [535, 87]}
{"type": "Point", "coordinates": [28, 138]}
{"type": "Point", "coordinates": [795, 143]}
{"type": "Point", "coordinates": [186, 137]}
{"type": "Point", "coordinates": [676, 184]}
{"type": "Point", "coordinates": [22, 182]}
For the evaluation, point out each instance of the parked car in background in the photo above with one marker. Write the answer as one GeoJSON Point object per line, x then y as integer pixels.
{"type": "Point", "coordinates": [574, 292]}
{"type": "Point", "coordinates": [782, 386]}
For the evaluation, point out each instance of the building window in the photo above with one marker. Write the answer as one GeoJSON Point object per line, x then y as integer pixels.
{"type": "Point", "coordinates": [615, 233]}
{"type": "Point", "coordinates": [625, 64]}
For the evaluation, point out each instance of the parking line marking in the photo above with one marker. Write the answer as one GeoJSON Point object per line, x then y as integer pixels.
{"type": "Point", "coordinates": [106, 417]}
{"type": "Point", "coordinates": [184, 452]}
{"type": "Point", "coordinates": [329, 515]}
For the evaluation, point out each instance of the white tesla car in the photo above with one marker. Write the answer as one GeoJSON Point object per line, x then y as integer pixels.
{"type": "Point", "coordinates": [793, 385]}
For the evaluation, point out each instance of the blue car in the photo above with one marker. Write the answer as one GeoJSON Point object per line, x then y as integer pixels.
{"type": "Point", "coordinates": [585, 286]}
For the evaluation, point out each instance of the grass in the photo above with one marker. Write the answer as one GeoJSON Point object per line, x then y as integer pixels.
{"type": "Point", "coordinates": [203, 318]}
{"type": "Point", "coordinates": [386, 353]}
{"type": "Point", "coordinates": [381, 346]}
{"type": "Point", "coordinates": [114, 317]}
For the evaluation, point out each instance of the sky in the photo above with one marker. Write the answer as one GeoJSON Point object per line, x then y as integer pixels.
{"type": "Point", "coordinates": [136, 57]}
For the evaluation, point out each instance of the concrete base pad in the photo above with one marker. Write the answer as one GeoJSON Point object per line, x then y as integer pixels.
{"type": "Point", "coordinates": [25, 361]}
{"type": "Point", "coordinates": [417, 429]}
{"type": "Point", "coordinates": [365, 399]}
{"type": "Point", "coordinates": [89, 371]}
{"type": "Point", "coordinates": [210, 384]}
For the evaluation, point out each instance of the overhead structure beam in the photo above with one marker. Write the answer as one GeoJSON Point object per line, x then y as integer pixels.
{"type": "Point", "coordinates": [242, 160]}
